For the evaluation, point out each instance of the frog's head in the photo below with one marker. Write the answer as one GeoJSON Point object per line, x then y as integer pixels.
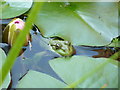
{"type": "Point", "coordinates": [62, 47]}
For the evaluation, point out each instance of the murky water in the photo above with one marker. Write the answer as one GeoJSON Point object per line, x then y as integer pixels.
{"type": "Point", "coordinates": [37, 57]}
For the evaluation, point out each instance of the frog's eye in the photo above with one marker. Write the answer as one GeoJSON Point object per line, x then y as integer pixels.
{"type": "Point", "coordinates": [58, 45]}
{"type": "Point", "coordinates": [54, 47]}
{"type": "Point", "coordinates": [67, 43]}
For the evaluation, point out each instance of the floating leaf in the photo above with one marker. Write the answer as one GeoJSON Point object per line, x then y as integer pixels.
{"type": "Point", "coordinates": [35, 79]}
{"type": "Point", "coordinates": [81, 23]}
{"type": "Point", "coordinates": [2, 60]}
{"type": "Point", "coordinates": [15, 8]}
{"type": "Point", "coordinates": [74, 68]}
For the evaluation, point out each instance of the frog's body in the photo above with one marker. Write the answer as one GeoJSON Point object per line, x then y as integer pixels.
{"type": "Point", "coordinates": [62, 47]}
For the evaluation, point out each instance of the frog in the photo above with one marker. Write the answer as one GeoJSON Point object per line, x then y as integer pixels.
{"type": "Point", "coordinates": [62, 47]}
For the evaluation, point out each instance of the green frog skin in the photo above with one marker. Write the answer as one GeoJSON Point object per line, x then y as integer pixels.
{"type": "Point", "coordinates": [64, 48]}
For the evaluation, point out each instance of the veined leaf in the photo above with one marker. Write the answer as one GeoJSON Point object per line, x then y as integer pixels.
{"type": "Point", "coordinates": [15, 8]}
{"type": "Point", "coordinates": [81, 23]}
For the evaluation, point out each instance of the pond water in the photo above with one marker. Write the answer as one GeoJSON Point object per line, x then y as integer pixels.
{"type": "Point", "coordinates": [37, 57]}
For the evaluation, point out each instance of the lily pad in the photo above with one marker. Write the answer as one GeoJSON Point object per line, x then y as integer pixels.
{"type": "Point", "coordinates": [82, 23]}
{"type": "Point", "coordinates": [8, 78]}
{"type": "Point", "coordinates": [35, 79]}
{"type": "Point", "coordinates": [15, 8]}
{"type": "Point", "coordinates": [74, 68]}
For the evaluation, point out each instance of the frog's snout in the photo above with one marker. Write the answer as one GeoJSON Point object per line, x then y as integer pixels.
{"type": "Point", "coordinates": [56, 46]}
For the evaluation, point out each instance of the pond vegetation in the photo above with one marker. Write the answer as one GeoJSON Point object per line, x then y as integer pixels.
{"type": "Point", "coordinates": [59, 45]}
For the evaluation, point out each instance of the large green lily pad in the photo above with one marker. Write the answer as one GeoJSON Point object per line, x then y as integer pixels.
{"type": "Point", "coordinates": [8, 78]}
{"type": "Point", "coordinates": [15, 8]}
{"type": "Point", "coordinates": [89, 23]}
{"type": "Point", "coordinates": [74, 68]}
{"type": "Point", "coordinates": [35, 79]}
